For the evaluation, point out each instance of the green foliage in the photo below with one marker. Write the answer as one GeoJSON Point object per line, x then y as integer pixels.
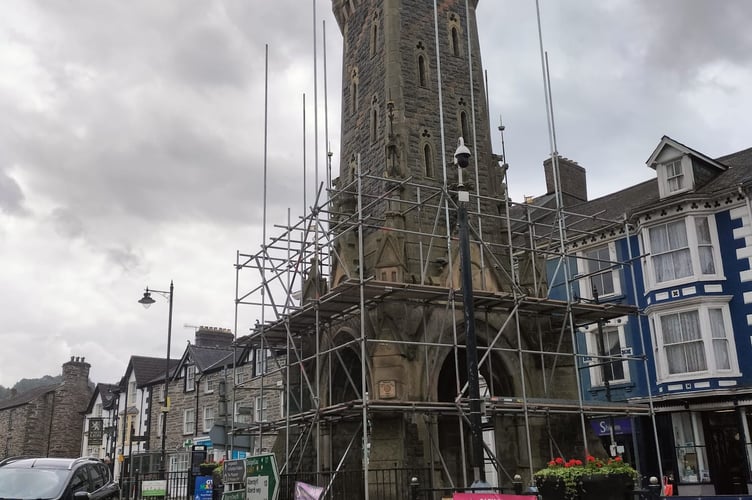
{"type": "Point", "coordinates": [27, 384]}
{"type": "Point", "coordinates": [570, 472]}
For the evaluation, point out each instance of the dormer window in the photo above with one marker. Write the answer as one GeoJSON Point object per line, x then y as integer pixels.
{"type": "Point", "coordinates": [675, 176]}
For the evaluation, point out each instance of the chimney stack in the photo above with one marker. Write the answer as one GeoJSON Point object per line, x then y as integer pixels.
{"type": "Point", "coordinates": [573, 178]}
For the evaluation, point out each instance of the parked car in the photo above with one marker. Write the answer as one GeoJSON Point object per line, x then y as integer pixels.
{"type": "Point", "coordinates": [56, 479]}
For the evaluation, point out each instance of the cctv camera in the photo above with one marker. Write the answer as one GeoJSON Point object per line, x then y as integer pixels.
{"type": "Point", "coordinates": [462, 154]}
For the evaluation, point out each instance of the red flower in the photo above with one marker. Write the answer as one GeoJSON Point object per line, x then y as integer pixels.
{"type": "Point", "coordinates": [559, 460]}
{"type": "Point", "coordinates": [578, 462]}
{"type": "Point", "coordinates": [552, 463]}
{"type": "Point", "coordinates": [617, 459]}
{"type": "Point", "coordinates": [590, 458]}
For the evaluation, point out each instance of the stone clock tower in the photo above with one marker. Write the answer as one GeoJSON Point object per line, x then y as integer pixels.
{"type": "Point", "coordinates": [396, 99]}
{"type": "Point", "coordinates": [403, 110]}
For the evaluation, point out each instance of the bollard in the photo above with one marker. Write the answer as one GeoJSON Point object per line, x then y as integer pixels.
{"type": "Point", "coordinates": [414, 484]}
{"type": "Point", "coordinates": [517, 484]}
{"type": "Point", "coordinates": [654, 488]}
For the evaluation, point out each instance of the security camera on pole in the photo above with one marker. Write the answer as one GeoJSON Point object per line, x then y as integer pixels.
{"type": "Point", "coordinates": [462, 160]}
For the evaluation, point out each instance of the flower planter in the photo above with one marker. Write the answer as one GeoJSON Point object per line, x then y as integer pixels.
{"type": "Point", "coordinates": [605, 487]}
{"type": "Point", "coordinates": [593, 479]}
{"type": "Point", "coordinates": [551, 489]}
{"type": "Point", "coordinates": [206, 470]}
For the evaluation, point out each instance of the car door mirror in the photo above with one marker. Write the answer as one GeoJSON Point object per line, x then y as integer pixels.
{"type": "Point", "coordinates": [81, 495]}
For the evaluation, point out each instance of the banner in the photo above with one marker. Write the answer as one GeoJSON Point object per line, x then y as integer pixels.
{"type": "Point", "coordinates": [96, 428]}
{"type": "Point", "coordinates": [305, 491]}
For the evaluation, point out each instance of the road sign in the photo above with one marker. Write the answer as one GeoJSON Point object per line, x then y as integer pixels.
{"type": "Point", "coordinates": [234, 471]}
{"type": "Point", "coordinates": [262, 478]}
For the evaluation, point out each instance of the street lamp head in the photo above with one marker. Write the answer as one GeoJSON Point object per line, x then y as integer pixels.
{"type": "Point", "coordinates": [462, 154]}
{"type": "Point", "coordinates": [146, 300]}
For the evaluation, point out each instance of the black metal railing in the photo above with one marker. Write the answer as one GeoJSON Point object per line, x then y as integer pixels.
{"type": "Point", "coordinates": [177, 484]}
{"type": "Point", "coordinates": [384, 484]}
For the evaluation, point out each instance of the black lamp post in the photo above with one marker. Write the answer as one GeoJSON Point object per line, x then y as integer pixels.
{"type": "Point", "coordinates": [462, 160]}
{"type": "Point", "coordinates": [147, 301]}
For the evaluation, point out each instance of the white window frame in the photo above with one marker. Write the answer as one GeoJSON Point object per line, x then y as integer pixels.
{"type": "Point", "coordinates": [208, 385]}
{"type": "Point", "coordinates": [189, 421]}
{"type": "Point", "coordinates": [584, 266]}
{"type": "Point", "coordinates": [261, 408]}
{"type": "Point", "coordinates": [190, 378]}
{"type": "Point", "coordinates": [97, 410]}
{"type": "Point", "coordinates": [261, 359]}
{"type": "Point", "coordinates": [664, 179]}
{"type": "Point", "coordinates": [237, 417]}
{"type": "Point", "coordinates": [651, 282]}
{"type": "Point", "coordinates": [208, 420]}
{"type": "Point", "coordinates": [132, 392]}
{"type": "Point", "coordinates": [160, 423]}
{"type": "Point", "coordinates": [179, 462]}
{"type": "Point", "coordinates": [702, 305]}
{"type": "Point", "coordinates": [240, 377]}
{"type": "Point", "coordinates": [591, 340]}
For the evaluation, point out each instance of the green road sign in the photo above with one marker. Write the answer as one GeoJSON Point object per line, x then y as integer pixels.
{"type": "Point", "coordinates": [234, 495]}
{"type": "Point", "coordinates": [262, 478]}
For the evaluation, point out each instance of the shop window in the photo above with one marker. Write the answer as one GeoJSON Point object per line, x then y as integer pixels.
{"type": "Point", "coordinates": [691, 456]}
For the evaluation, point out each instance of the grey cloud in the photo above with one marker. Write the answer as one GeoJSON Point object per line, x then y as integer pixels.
{"type": "Point", "coordinates": [66, 223]}
{"type": "Point", "coordinates": [11, 196]}
{"type": "Point", "coordinates": [124, 257]}
{"type": "Point", "coordinates": [684, 36]}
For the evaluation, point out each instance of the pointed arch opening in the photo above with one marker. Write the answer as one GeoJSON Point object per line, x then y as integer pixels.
{"type": "Point", "coordinates": [422, 73]}
{"type": "Point", "coordinates": [428, 168]}
{"type": "Point", "coordinates": [455, 41]}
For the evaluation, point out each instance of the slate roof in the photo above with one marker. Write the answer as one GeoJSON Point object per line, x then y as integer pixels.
{"type": "Point", "coordinates": [603, 212]}
{"type": "Point", "coordinates": [109, 396]}
{"type": "Point", "coordinates": [206, 358]}
{"type": "Point", "coordinates": [28, 396]}
{"type": "Point", "coordinates": [148, 370]}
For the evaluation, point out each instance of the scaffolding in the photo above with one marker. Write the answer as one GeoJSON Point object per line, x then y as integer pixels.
{"type": "Point", "coordinates": [290, 283]}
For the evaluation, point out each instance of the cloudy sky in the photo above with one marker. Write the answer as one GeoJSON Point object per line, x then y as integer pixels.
{"type": "Point", "coordinates": [131, 141]}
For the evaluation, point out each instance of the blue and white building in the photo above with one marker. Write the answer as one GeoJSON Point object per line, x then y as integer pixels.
{"type": "Point", "coordinates": [679, 247]}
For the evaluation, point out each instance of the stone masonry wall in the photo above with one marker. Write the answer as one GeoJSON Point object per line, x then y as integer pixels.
{"type": "Point", "coordinates": [71, 400]}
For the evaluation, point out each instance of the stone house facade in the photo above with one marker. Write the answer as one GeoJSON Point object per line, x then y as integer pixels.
{"type": "Point", "coordinates": [47, 421]}
{"type": "Point", "coordinates": [216, 388]}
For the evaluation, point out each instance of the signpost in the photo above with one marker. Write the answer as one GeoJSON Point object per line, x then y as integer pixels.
{"type": "Point", "coordinates": [156, 488]}
{"type": "Point", "coordinates": [203, 488]}
{"type": "Point", "coordinates": [234, 471]}
{"type": "Point", "coordinates": [96, 429]}
{"type": "Point", "coordinates": [262, 478]}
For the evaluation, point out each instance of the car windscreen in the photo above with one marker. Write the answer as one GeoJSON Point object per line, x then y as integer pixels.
{"type": "Point", "coordinates": [31, 484]}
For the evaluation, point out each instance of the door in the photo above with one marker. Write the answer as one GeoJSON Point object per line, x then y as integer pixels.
{"type": "Point", "coordinates": [726, 458]}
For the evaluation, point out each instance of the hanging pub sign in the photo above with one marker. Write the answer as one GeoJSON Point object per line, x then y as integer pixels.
{"type": "Point", "coordinates": [96, 428]}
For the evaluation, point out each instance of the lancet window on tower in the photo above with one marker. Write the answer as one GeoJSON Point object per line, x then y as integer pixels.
{"type": "Point", "coordinates": [354, 81]}
{"type": "Point", "coordinates": [428, 160]}
{"type": "Point", "coordinates": [374, 119]}
{"type": "Point", "coordinates": [454, 35]}
{"type": "Point", "coordinates": [464, 127]}
{"type": "Point", "coordinates": [422, 78]}
{"type": "Point", "coordinates": [374, 34]}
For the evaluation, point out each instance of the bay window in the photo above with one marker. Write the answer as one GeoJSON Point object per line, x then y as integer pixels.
{"type": "Point", "coordinates": [684, 249]}
{"type": "Point", "coordinates": [695, 338]}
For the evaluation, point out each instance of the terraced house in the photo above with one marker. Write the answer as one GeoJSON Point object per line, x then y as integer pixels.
{"type": "Point", "coordinates": [678, 246]}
